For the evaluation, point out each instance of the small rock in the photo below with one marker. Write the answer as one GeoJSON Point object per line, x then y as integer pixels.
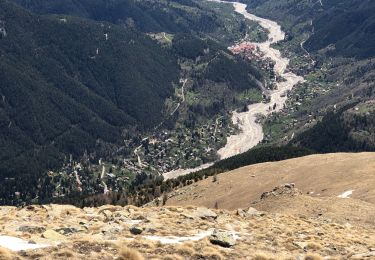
{"type": "Point", "coordinates": [111, 232]}
{"type": "Point", "coordinates": [187, 216]}
{"type": "Point", "coordinates": [364, 255]}
{"type": "Point", "coordinates": [251, 212]}
{"type": "Point", "coordinates": [67, 231]}
{"type": "Point", "coordinates": [301, 245]}
{"type": "Point", "coordinates": [222, 238]}
{"type": "Point", "coordinates": [254, 212]}
{"type": "Point", "coordinates": [107, 214]}
{"type": "Point", "coordinates": [347, 225]}
{"type": "Point", "coordinates": [289, 185]}
{"type": "Point", "coordinates": [31, 229]}
{"type": "Point", "coordinates": [135, 230]}
{"type": "Point", "coordinates": [241, 213]}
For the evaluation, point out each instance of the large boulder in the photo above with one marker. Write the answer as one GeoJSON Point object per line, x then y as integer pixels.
{"type": "Point", "coordinates": [222, 238]}
{"type": "Point", "coordinates": [205, 213]}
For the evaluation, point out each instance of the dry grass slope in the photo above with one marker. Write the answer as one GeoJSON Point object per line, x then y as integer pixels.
{"type": "Point", "coordinates": [319, 175]}
{"type": "Point", "coordinates": [129, 254]}
{"type": "Point", "coordinates": [289, 223]}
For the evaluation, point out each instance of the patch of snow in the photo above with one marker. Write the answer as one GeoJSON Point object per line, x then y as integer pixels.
{"type": "Point", "coordinates": [17, 244]}
{"type": "Point", "coordinates": [345, 194]}
{"type": "Point", "coordinates": [179, 240]}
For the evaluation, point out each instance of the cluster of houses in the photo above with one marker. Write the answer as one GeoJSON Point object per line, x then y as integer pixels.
{"type": "Point", "coordinates": [167, 151]}
{"type": "Point", "coordinates": [248, 50]}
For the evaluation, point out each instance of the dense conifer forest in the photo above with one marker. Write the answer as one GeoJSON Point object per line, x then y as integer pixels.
{"type": "Point", "coordinates": [63, 87]}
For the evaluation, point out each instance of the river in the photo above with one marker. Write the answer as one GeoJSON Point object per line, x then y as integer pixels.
{"type": "Point", "coordinates": [251, 131]}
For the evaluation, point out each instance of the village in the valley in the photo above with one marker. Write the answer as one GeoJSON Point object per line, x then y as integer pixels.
{"type": "Point", "coordinates": [168, 150]}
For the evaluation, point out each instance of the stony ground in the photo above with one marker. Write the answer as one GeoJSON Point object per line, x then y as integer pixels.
{"type": "Point", "coordinates": [111, 232]}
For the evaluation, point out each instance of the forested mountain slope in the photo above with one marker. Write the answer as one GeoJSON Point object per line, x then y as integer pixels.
{"type": "Point", "coordinates": [338, 37]}
{"type": "Point", "coordinates": [67, 82]}
{"type": "Point", "coordinates": [347, 25]}
{"type": "Point", "coordinates": [147, 16]}
{"type": "Point", "coordinates": [84, 83]}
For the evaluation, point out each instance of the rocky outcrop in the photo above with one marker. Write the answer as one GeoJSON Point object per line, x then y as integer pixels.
{"type": "Point", "coordinates": [251, 212]}
{"type": "Point", "coordinates": [287, 189]}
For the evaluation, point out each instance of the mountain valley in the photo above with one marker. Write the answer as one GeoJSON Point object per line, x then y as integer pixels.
{"type": "Point", "coordinates": [187, 129]}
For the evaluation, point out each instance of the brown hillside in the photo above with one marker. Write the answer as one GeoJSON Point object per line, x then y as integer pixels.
{"type": "Point", "coordinates": [284, 223]}
{"type": "Point", "coordinates": [323, 177]}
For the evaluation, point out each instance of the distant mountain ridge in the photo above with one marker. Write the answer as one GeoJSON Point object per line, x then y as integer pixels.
{"type": "Point", "coordinates": [147, 16]}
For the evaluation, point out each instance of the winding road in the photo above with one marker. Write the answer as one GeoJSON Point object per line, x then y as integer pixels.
{"type": "Point", "coordinates": [182, 96]}
{"type": "Point", "coordinates": [103, 182]}
{"type": "Point", "coordinates": [251, 130]}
